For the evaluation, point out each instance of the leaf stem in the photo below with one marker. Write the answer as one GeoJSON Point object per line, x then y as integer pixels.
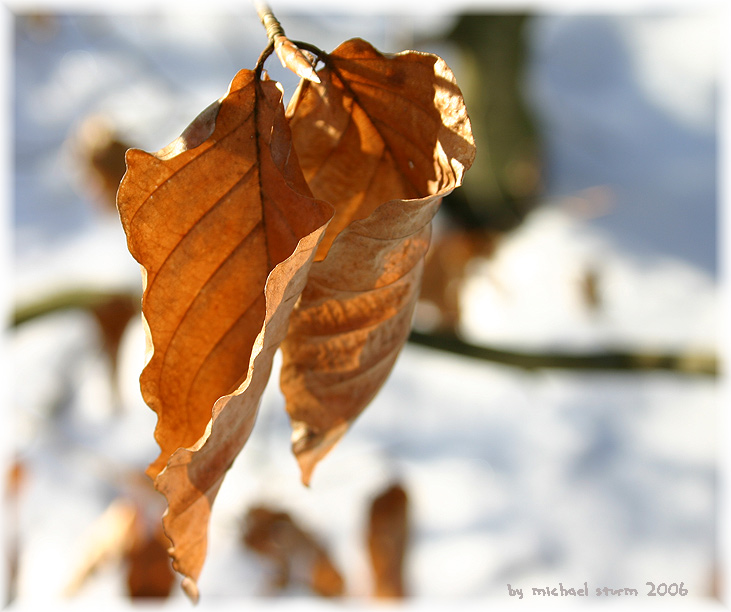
{"type": "Point", "coordinates": [319, 53]}
{"type": "Point", "coordinates": [263, 58]}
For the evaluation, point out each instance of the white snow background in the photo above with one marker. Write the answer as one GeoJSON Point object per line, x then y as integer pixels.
{"type": "Point", "coordinates": [528, 479]}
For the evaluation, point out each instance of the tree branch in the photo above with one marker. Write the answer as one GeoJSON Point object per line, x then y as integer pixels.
{"type": "Point", "coordinates": [703, 364]}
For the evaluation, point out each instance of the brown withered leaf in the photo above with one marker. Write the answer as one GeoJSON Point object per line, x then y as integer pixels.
{"type": "Point", "coordinates": [108, 537]}
{"type": "Point", "coordinates": [445, 270]}
{"type": "Point", "coordinates": [388, 538]}
{"type": "Point", "coordinates": [296, 554]}
{"type": "Point", "coordinates": [224, 228]}
{"type": "Point", "coordinates": [149, 574]}
{"type": "Point", "coordinates": [113, 314]}
{"type": "Point", "coordinates": [382, 138]}
{"type": "Point", "coordinates": [100, 150]}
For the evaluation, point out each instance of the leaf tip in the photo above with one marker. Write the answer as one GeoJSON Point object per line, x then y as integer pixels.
{"type": "Point", "coordinates": [306, 474]}
{"type": "Point", "coordinates": [311, 75]}
{"type": "Point", "coordinates": [310, 446]}
{"type": "Point", "coordinates": [190, 588]}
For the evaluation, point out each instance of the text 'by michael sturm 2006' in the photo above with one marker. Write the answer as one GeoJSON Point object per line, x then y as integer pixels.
{"type": "Point", "coordinates": [652, 590]}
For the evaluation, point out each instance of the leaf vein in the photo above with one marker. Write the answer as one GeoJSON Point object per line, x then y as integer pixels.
{"type": "Point", "coordinates": [192, 160]}
{"type": "Point", "coordinates": [188, 308]}
{"type": "Point", "coordinates": [203, 216]}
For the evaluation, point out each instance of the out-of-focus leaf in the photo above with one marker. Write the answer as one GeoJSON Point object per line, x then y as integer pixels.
{"type": "Point", "coordinates": [149, 574]}
{"type": "Point", "coordinates": [101, 152]}
{"type": "Point", "coordinates": [296, 554]}
{"type": "Point", "coordinates": [108, 537]}
{"type": "Point", "coordinates": [113, 315]}
{"type": "Point", "coordinates": [16, 475]}
{"type": "Point", "coordinates": [388, 538]}
{"type": "Point", "coordinates": [445, 271]}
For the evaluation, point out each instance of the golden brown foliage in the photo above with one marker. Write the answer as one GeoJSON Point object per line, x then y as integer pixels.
{"type": "Point", "coordinates": [225, 242]}
{"type": "Point", "coordinates": [227, 221]}
{"type": "Point", "coordinates": [388, 537]}
{"type": "Point", "coordinates": [296, 554]}
{"type": "Point", "coordinates": [383, 138]}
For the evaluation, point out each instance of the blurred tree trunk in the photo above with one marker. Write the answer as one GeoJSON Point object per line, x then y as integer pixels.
{"type": "Point", "coordinates": [505, 182]}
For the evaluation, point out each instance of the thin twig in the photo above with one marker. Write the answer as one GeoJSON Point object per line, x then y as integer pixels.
{"type": "Point", "coordinates": [287, 52]}
{"type": "Point", "coordinates": [66, 300]}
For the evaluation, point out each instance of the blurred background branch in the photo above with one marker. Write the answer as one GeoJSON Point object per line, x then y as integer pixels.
{"type": "Point", "coordinates": [113, 310]}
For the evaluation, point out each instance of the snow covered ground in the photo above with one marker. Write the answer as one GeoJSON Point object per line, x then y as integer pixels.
{"type": "Point", "coordinates": [527, 479]}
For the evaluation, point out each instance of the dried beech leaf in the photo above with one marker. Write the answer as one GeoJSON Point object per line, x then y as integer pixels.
{"type": "Point", "coordinates": [100, 151]}
{"type": "Point", "coordinates": [113, 314]}
{"type": "Point", "coordinates": [224, 228]}
{"type": "Point", "coordinates": [382, 138]}
{"type": "Point", "coordinates": [445, 271]}
{"type": "Point", "coordinates": [388, 537]}
{"type": "Point", "coordinates": [296, 554]}
{"type": "Point", "coordinates": [149, 574]}
{"type": "Point", "coordinates": [109, 536]}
